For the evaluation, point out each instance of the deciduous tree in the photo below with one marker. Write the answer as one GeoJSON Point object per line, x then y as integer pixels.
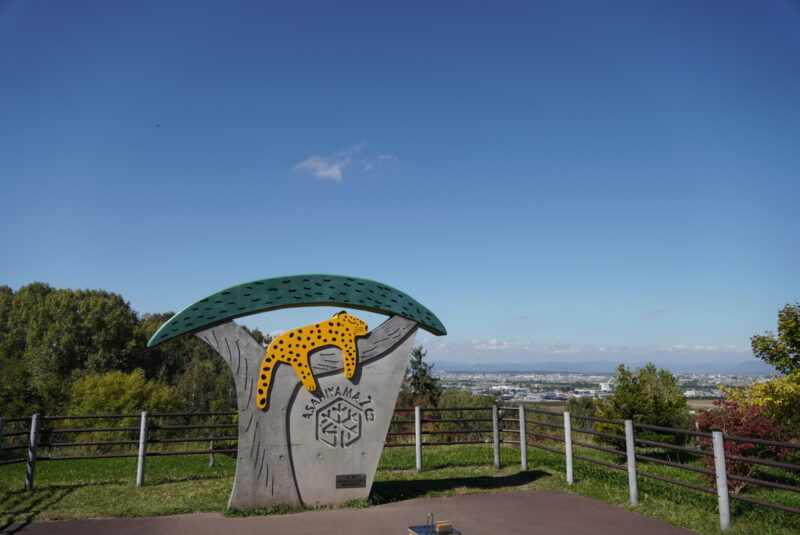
{"type": "Point", "coordinates": [778, 398]}
{"type": "Point", "coordinates": [781, 350]}
{"type": "Point", "coordinates": [50, 335]}
{"type": "Point", "coordinates": [736, 420]}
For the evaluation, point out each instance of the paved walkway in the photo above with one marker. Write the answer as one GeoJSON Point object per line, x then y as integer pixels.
{"type": "Point", "coordinates": [512, 513]}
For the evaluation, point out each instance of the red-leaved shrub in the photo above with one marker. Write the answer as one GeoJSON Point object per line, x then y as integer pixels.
{"type": "Point", "coordinates": [735, 420]}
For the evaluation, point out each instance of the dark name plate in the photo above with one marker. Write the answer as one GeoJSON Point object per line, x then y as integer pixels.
{"type": "Point", "coordinates": [351, 481]}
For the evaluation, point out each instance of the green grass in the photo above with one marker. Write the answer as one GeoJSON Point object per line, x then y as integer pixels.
{"type": "Point", "coordinates": [105, 487]}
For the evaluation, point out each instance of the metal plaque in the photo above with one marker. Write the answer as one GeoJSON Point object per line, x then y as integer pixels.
{"type": "Point", "coordinates": [351, 481]}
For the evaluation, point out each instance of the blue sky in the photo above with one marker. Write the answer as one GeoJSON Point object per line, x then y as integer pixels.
{"type": "Point", "coordinates": [553, 179]}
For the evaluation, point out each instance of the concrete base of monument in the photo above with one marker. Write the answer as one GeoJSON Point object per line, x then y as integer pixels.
{"type": "Point", "coordinates": [336, 433]}
{"type": "Point", "coordinates": [320, 447]}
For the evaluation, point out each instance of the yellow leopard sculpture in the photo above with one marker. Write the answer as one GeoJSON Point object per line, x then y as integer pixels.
{"type": "Point", "coordinates": [294, 346]}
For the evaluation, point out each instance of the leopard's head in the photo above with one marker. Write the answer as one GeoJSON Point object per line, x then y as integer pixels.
{"type": "Point", "coordinates": [357, 327]}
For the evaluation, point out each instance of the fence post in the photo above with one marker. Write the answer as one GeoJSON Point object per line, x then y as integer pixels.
{"type": "Point", "coordinates": [211, 455]}
{"type": "Point", "coordinates": [523, 438]}
{"type": "Point", "coordinates": [142, 449]}
{"type": "Point", "coordinates": [568, 446]}
{"type": "Point", "coordinates": [2, 430]}
{"type": "Point", "coordinates": [722, 480]}
{"type": "Point", "coordinates": [630, 449]}
{"type": "Point", "coordinates": [34, 440]}
{"type": "Point", "coordinates": [418, 437]}
{"type": "Point", "coordinates": [496, 435]}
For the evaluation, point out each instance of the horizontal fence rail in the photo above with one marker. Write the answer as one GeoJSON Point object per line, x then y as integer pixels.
{"type": "Point", "coordinates": [46, 438]}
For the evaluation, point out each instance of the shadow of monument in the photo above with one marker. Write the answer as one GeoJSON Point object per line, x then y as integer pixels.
{"type": "Point", "coordinates": [393, 491]}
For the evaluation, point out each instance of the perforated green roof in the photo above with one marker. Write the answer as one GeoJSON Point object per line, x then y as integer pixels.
{"type": "Point", "coordinates": [296, 291]}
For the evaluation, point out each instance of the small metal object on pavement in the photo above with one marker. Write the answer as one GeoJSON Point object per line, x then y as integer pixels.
{"type": "Point", "coordinates": [443, 527]}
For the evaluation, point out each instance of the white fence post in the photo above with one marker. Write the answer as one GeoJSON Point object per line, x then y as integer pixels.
{"type": "Point", "coordinates": [211, 455]}
{"type": "Point", "coordinates": [30, 468]}
{"type": "Point", "coordinates": [568, 446]}
{"type": "Point", "coordinates": [722, 480]}
{"type": "Point", "coordinates": [142, 449]}
{"type": "Point", "coordinates": [418, 436]}
{"type": "Point", "coordinates": [523, 438]}
{"type": "Point", "coordinates": [496, 435]}
{"type": "Point", "coordinates": [630, 449]}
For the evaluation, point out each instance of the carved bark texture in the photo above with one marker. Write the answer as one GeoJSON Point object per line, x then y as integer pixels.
{"type": "Point", "coordinates": [292, 453]}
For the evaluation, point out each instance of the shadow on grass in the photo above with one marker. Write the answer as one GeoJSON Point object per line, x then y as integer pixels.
{"type": "Point", "coordinates": [393, 491]}
{"type": "Point", "coordinates": [20, 508]}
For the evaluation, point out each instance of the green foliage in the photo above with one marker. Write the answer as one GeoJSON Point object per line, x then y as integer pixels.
{"type": "Point", "coordinates": [582, 406]}
{"type": "Point", "coordinates": [779, 398]}
{"type": "Point", "coordinates": [452, 398]}
{"type": "Point", "coordinates": [783, 350]}
{"type": "Point", "coordinates": [121, 393]}
{"type": "Point", "coordinates": [52, 334]}
{"type": "Point", "coordinates": [116, 393]}
{"type": "Point", "coordinates": [419, 382]}
{"type": "Point", "coordinates": [6, 296]}
{"type": "Point", "coordinates": [18, 396]}
{"type": "Point", "coordinates": [50, 338]}
{"type": "Point", "coordinates": [168, 361]}
{"type": "Point", "coordinates": [649, 396]}
{"type": "Point", "coordinates": [258, 336]}
{"type": "Point", "coordinates": [207, 385]}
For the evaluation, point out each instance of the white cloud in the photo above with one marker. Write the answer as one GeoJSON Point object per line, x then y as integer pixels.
{"type": "Point", "coordinates": [333, 167]}
{"type": "Point", "coordinates": [382, 160]}
{"type": "Point", "coordinates": [352, 150]}
{"type": "Point", "coordinates": [323, 168]}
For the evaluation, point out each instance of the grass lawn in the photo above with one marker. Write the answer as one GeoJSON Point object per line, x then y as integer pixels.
{"type": "Point", "coordinates": [105, 487]}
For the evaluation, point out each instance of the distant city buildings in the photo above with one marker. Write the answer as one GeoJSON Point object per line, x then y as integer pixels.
{"type": "Point", "coordinates": [555, 386]}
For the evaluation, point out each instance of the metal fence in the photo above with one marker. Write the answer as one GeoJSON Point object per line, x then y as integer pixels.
{"type": "Point", "coordinates": [44, 438]}
{"type": "Point", "coordinates": [565, 434]}
{"type": "Point", "coordinates": [23, 440]}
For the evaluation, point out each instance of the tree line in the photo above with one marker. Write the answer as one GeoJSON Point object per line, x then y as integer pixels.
{"type": "Point", "coordinates": [65, 351]}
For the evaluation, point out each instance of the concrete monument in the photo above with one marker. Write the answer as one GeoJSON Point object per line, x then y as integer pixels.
{"type": "Point", "coordinates": [315, 406]}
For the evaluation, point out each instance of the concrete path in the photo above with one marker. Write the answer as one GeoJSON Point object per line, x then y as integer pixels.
{"type": "Point", "coordinates": [512, 513]}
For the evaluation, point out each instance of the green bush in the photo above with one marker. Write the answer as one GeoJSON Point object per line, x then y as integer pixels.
{"type": "Point", "coordinates": [582, 406]}
{"type": "Point", "coordinates": [649, 396]}
{"type": "Point", "coordinates": [113, 393]}
{"type": "Point", "coordinates": [452, 398]}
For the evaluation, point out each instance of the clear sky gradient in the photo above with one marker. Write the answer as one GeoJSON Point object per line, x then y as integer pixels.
{"type": "Point", "coordinates": [553, 179]}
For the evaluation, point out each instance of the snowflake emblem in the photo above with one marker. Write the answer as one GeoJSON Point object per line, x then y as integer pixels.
{"type": "Point", "coordinates": [339, 423]}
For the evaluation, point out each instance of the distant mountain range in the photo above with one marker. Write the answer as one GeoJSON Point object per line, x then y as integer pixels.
{"type": "Point", "coordinates": [749, 367]}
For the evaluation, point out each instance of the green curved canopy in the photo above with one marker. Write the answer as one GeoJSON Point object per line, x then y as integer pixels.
{"type": "Point", "coordinates": [296, 291]}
